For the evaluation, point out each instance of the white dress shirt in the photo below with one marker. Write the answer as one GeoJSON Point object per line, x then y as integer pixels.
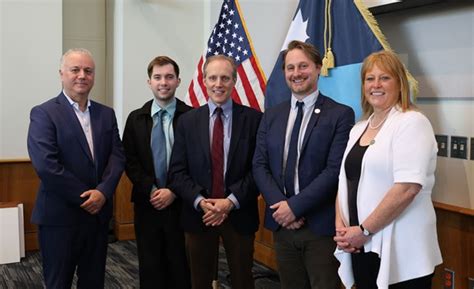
{"type": "Point", "coordinates": [308, 107]}
{"type": "Point", "coordinates": [84, 118]}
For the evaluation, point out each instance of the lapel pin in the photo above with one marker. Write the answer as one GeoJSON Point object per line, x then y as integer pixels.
{"type": "Point", "coordinates": [317, 111]}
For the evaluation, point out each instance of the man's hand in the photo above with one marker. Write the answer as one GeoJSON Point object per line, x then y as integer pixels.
{"type": "Point", "coordinates": [162, 198]}
{"type": "Point", "coordinates": [283, 214]}
{"type": "Point", "coordinates": [94, 203]}
{"type": "Point", "coordinates": [295, 225]}
{"type": "Point", "coordinates": [224, 205]}
{"type": "Point", "coordinates": [215, 211]}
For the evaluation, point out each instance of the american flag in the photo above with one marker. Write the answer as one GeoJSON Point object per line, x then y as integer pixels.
{"type": "Point", "coordinates": [230, 37]}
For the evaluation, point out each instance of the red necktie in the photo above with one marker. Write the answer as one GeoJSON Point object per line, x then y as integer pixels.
{"type": "Point", "coordinates": [217, 154]}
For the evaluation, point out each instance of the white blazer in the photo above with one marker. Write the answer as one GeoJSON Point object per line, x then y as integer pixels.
{"type": "Point", "coordinates": [404, 151]}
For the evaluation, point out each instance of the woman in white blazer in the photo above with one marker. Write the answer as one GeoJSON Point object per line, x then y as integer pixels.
{"type": "Point", "coordinates": [385, 220]}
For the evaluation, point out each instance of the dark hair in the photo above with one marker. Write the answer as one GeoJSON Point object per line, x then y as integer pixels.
{"type": "Point", "coordinates": [220, 57]}
{"type": "Point", "coordinates": [161, 61]}
{"type": "Point", "coordinates": [307, 48]}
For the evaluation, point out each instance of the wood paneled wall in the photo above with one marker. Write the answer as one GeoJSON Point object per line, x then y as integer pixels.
{"type": "Point", "coordinates": [456, 240]}
{"type": "Point", "coordinates": [19, 183]}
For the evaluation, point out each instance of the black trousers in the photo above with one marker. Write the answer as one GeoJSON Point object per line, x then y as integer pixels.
{"type": "Point", "coordinates": [160, 244]}
{"type": "Point", "coordinates": [366, 268]}
{"type": "Point", "coordinates": [65, 249]}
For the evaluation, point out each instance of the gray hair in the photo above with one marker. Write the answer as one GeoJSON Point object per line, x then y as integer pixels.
{"type": "Point", "coordinates": [71, 51]}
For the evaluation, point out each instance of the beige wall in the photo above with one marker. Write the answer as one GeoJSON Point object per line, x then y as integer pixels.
{"type": "Point", "coordinates": [30, 48]}
{"type": "Point", "coordinates": [84, 25]}
{"type": "Point", "coordinates": [145, 29]}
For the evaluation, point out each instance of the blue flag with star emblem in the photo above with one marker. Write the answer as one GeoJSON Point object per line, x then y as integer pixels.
{"type": "Point", "coordinates": [346, 29]}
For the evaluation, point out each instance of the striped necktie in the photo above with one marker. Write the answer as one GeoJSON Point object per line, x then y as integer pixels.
{"type": "Point", "coordinates": [158, 147]}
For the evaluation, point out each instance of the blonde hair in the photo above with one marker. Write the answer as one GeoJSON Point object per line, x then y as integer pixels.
{"type": "Point", "coordinates": [220, 57]}
{"type": "Point", "coordinates": [391, 64]}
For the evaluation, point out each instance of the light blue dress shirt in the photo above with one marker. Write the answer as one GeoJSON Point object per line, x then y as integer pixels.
{"type": "Point", "coordinates": [227, 122]}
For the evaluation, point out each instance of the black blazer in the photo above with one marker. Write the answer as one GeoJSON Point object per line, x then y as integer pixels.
{"type": "Point", "coordinates": [136, 141]}
{"type": "Point", "coordinates": [191, 167]}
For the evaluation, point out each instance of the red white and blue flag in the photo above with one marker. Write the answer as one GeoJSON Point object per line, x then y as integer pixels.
{"type": "Point", "coordinates": [231, 38]}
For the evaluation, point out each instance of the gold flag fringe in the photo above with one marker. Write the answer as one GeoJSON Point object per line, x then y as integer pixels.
{"type": "Point", "coordinates": [374, 26]}
{"type": "Point", "coordinates": [328, 59]}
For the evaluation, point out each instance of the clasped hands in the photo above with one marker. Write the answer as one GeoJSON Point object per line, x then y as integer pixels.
{"type": "Point", "coordinates": [350, 239]}
{"type": "Point", "coordinates": [162, 198]}
{"type": "Point", "coordinates": [94, 202]}
{"type": "Point", "coordinates": [284, 216]}
{"type": "Point", "coordinates": [215, 210]}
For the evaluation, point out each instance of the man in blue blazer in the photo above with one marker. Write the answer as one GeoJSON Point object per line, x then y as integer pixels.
{"type": "Point", "coordinates": [211, 170]}
{"type": "Point", "coordinates": [76, 151]}
{"type": "Point", "coordinates": [296, 166]}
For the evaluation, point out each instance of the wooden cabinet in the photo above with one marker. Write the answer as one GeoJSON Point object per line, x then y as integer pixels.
{"type": "Point", "coordinates": [123, 210]}
{"type": "Point", "coordinates": [264, 251]}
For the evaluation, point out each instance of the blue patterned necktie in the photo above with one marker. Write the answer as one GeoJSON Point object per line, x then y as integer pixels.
{"type": "Point", "coordinates": [293, 152]}
{"type": "Point", "coordinates": [158, 147]}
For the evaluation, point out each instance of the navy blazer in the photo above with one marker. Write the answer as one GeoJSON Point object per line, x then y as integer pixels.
{"type": "Point", "coordinates": [62, 159]}
{"type": "Point", "coordinates": [323, 145]}
{"type": "Point", "coordinates": [136, 141]}
{"type": "Point", "coordinates": [191, 167]}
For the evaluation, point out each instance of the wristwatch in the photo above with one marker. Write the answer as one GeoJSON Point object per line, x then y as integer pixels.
{"type": "Point", "coordinates": [365, 231]}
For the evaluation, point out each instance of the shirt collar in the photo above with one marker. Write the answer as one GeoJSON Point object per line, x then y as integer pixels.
{"type": "Point", "coordinates": [75, 104]}
{"type": "Point", "coordinates": [308, 100]}
{"type": "Point", "coordinates": [170, 108]}
{"type": "Point", "coordinates": [226, 107]}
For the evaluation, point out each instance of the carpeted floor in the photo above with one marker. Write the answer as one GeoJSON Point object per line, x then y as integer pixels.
{"type": "Point", "coordinates": [121, 271]}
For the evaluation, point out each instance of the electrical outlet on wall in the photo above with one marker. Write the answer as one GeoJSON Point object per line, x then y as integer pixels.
{"type": "Point", "coordinates": [459, 147]}
{"type": "Point", "coordinates": [442, 141]}
{"type": "Point", "coordinates": [448, 280]}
